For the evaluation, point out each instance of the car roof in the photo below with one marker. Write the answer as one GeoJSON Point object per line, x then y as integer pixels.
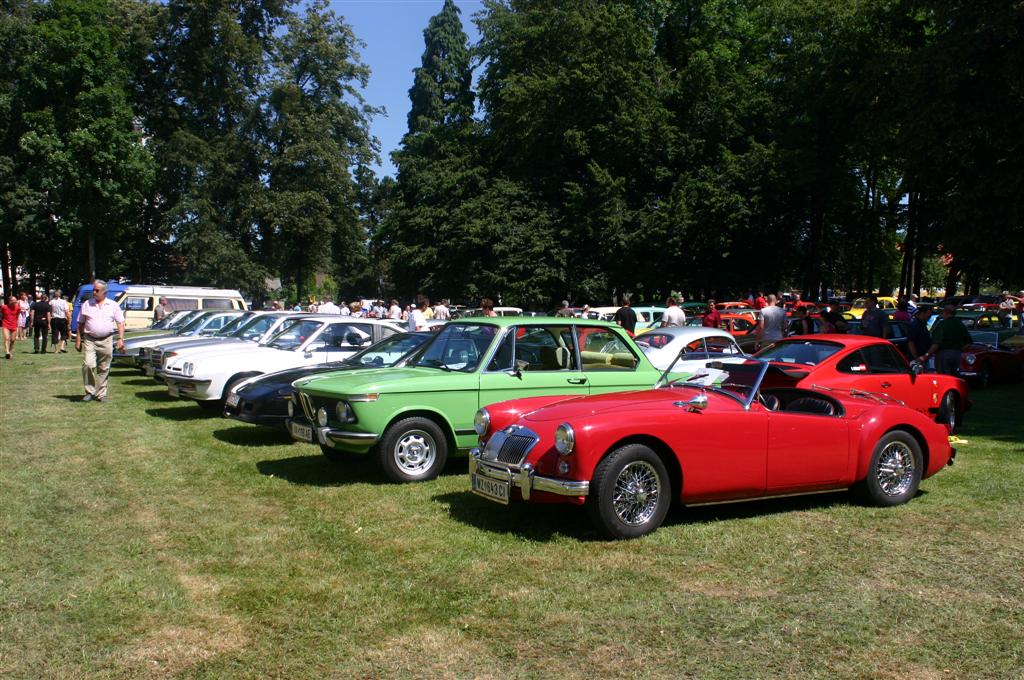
{"type": "Point", "coordinates": [838, 338]}
{"type": "Point", "coordinates": [506, 321]}
{"type": "Point", "coordinates": [687, 332]}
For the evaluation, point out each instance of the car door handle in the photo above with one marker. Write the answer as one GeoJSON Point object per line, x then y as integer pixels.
{"type": "Point", "coordinates": [887, 384]}
{"type": "Point", "coordinates": [576, 381]}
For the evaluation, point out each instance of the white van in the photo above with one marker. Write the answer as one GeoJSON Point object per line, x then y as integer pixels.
{"type": "Point", "coordinates": [139, 302]}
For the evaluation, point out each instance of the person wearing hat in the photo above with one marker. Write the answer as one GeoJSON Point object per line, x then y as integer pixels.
{"type": "Point", "coordinates": [918, 337]}
{"type": "Point", "coordinates": [564, 311]}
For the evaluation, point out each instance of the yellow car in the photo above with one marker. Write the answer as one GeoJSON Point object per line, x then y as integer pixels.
{"type": "Point", "coordinates": [860, 306]}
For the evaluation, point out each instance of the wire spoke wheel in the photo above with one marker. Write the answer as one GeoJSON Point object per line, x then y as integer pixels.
{"type": "Point", "coordinates": [636, 493]}
{"type": "Point", "coordinates": [895, 471]}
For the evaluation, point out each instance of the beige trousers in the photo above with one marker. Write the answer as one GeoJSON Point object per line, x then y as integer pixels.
{"type": "Point", "coordinates": [96, 364]}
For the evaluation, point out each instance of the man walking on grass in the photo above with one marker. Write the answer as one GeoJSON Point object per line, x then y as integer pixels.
{"type": "Point", "coordinates": [97, 320]}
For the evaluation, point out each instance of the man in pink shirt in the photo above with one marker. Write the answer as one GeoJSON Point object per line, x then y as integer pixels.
{"type": "Point", "coordinates": [97, 320]}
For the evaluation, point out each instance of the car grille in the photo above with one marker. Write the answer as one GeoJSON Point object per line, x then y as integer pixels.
{"type": "Point", "coordinates": [514, 449]}
{"type": "Point", "coordinates": [156, 357]}
{"type": "Point", "coordinates": [307, 406]}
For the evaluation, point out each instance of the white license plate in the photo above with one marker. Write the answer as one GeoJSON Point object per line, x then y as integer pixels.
{"type": "Point", "coordinates": [150, 370]}
{"type": "Point", "coordinates": [304, 433]}
{"type": "Point", "coordinates": [490, 488]}
{"type": "Point", "coordinates": [232, 399]}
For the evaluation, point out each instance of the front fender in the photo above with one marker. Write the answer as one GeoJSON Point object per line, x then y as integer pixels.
{"type": "Point", "coordinates": [504, 413]}
{"type": "Point", "coordinates": [873, 423]}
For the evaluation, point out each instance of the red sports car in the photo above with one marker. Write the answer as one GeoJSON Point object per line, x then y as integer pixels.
{"type": "Point", "coordinates": [843, 362]}
{"type": "Point", "coordinates": [992, 361]}
{"type": "Point", "coordinates": [627, 456]}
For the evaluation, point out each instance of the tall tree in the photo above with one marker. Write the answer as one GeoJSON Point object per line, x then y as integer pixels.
{"type": "Point", "coordinates": [438, 170]}
{"type": "Point", "coordinates": [76, 166]}
{"type": "Point", "coordinates": [318, 135]}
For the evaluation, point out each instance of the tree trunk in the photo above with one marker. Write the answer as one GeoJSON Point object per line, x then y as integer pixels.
{"type": "Point", "coordinates": [5, 270]}
{"type": "Point", "coordinates": [812, 270]}
{"type": "Point", "coordinates": [90, 236]}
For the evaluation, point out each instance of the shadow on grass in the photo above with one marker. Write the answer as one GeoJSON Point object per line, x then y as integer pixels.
{"type": "Point", "coordinates": [181, 413]}
{"type": "Point", "coordinates": [540, 522]}
{"type": "Point", "coordinates": [354, 468]}
{"type": "Point", "coordinates": [157, 395]}
{"type": "Point", "coordinates": [253, 435]}
{"type": "Point", "coordinates": [995, 415]}
{"type": "Point", "coordinates": [141, 382]}
{"type": "Point", "coordinates": [316, 470]}
{"type": "Point", "coordinates": [69, 397]}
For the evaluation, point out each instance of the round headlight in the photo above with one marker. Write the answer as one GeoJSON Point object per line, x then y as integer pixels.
{"type": "Point", "coordinates": [321, 417]}
{"type": "Point", "coordinates": [481, 421]}
{"type": "Point", "coordinates": [565, 439]}
{"type": "Point", "coordinates": [291, 409]}
{"type": "Point", "coordinates": [970, 359]}
{"type": "Point", "coordinates": [343, 411]}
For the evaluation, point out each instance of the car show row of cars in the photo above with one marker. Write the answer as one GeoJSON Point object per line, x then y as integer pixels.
{"type": "Point", "coordinates": [573, 410]}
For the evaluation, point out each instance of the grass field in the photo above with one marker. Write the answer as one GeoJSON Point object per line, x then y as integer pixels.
{"type": "Point", "coordinates": [146, 538]}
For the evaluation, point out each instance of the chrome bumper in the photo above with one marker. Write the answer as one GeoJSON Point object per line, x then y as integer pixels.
{"type": "Point", "coordinates": [525, 479]}
{"type": "Point", "coordinates": [331, 437]}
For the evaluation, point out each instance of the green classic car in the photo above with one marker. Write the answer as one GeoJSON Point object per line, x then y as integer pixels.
{"type": "Point", "coordinates": [411, 418]}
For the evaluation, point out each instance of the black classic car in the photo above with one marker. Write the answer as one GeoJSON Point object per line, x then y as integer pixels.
{"type": "Point", "coordinates": [264, 400]}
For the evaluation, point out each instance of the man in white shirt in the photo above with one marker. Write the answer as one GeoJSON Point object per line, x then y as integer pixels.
{"type": "Point", "coordinates": [441, 311]}
{"type": "Point", "coordinates": [772, 324]}
{"type": "Point", "coordinates": [328, 307]}
{"type": "Point", "coordinates": [395, 312]}
{"type": "Point", "coordinates": [417, 321]}
{"type": "Point", "coordinates": [673, 316]}
{"type": "Point", "coordinates": [59, 314]}
{"type": "Point", "coordinates": [98, 319]}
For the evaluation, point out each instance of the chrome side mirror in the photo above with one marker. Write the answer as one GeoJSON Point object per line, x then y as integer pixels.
{"type": "Point", "coordinates": [698, 403]}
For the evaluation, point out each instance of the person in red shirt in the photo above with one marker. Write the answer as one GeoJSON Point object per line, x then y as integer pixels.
{"type": "Point", "coordinates": [759, 301]}
{"type": "Point", "coordinates": [10, 311]}
{"type": "Point", "coordinates": [713, 318]}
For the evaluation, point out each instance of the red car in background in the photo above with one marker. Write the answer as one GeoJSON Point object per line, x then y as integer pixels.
{"type": "Point", "coordinates": [864, 363]}
{"type": "Point", "coordinates": [628, 456]}
{"type": "Point", "coordinates": [994, 360]}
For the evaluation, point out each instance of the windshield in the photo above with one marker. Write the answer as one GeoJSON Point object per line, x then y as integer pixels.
{"type": "Point", "coordinates": [388, 352]}
{"type": "Point", "coordinates": [458, 347]}
{"type": "Point", "coordinates": [254, 327]}
{"type": "Point", "coordinates": [295, 334]}
{"type": "Point", "coordinates": [806, 352]}
{"type": "Point", "coordinates": [195, 322]}
{"type": "Point", "coordinates": [231, 326]}
{"type": "Point", "coordinates": [739, 381]}
{"type": "Point", "coordinates": [182, 319]}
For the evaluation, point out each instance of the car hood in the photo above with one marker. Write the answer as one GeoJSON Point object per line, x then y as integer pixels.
{"type": "Point", "coordinates": [150, 340]}
{"type": "Point", "coordinates": [624, 403]}
{"type": "Point", "coordinates": [389, 381]}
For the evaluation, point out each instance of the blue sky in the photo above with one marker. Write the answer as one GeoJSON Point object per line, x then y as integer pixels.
{"type": "Point", "coordinates": [393, 33]}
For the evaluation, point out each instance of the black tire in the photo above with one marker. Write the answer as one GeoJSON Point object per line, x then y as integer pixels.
{"type": "Point", "coordinates": [949, 411]}
{"type": "Point", "coordinates": [984, 377]}
{"type": "Point", "coordinates": [894, 472]}
{"type": "Point", "coordinates": [640, 470]}
{"type": "Point", "coordinates": [413, 450]}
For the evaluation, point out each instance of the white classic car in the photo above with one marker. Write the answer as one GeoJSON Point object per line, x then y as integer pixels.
{"type": "Point", "coordinates": [202, 324]}
{"type": "Point", "coordinates": [257, 327]}
{"type": "Point", "coordinates": [697, 343]}
{"type": "Point", "coordinates": [207, 374]}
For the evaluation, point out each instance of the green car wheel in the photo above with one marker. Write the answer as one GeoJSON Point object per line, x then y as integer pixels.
{"type": "Point", "coordinates": [413, 450]}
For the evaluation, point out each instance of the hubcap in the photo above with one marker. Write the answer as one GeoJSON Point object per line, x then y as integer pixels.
{"type": "Point", "coordinates": [636, 493]}
{"type": "Point", "coordinates": [415, 452]}
{"type": "Point", "coordinates": [895, 469]}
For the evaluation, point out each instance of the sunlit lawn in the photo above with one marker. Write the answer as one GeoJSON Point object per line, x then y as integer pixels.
{"type": "Point", "coordinates": [143, 537]}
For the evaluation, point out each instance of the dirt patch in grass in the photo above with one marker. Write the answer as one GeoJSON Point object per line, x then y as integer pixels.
{"type": "Point", "coordinates": [172, 649]}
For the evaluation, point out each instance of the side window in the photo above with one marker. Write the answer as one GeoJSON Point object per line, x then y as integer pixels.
{"type": "Point", "coordinates": [136, 304]}
{"type": "Point", "coordinates": [602, 349]}
{"type": "Point", "coordinates": [545, 348]}
{"type": "Point", "coordinates": [502, 360]}
{"type": "Point", "coordinates": [854, 363]}
{"type": "Point", "coordinates": [695, 347]}
{"type": "Point", "coordinates": [655, 340]}
{"type": "Point", "coordinates": [336, 336]}
{"type": "Point", "coordinates": [718, 345]}
{"type": "Point", "coordinates": [883, 359]}
{"type": "Point", "coordinates": [216, 323]}
{"type": "Point", "coordinates": [216, 303]}
{"type": "Point", "coordinates": [183, 303]}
